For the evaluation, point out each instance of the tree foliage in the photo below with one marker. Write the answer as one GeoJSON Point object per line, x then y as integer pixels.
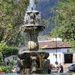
{"type": "Point", "coordinates": [7, 50]}
{"type": "Point", "coordinates": [11, 17]}
{"type": "Point", "coordinates": [64, 19]}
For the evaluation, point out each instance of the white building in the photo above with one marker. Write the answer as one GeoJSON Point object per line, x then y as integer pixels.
{"type": "Point", "coordinates": [58, 51]}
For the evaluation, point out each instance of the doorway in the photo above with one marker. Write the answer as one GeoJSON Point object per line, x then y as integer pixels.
{"type": "Point", "coordinates": [68, 58]}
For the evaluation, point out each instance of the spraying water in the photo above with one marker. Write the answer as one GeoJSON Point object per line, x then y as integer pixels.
{"type": "Point", "coordinates": [31, 7]}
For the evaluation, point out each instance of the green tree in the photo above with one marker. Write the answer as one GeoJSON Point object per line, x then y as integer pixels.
{"type": "Point", "coordinates": [2, 44]}
{"type": "Point", "coordinates": [64, 19]}
{"type": "Point", "coordinates": [7, 50]}
{"type": "Point", "coordinates": [11, 18]}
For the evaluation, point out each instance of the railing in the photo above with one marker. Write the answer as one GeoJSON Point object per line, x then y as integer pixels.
{"type": "Point", "coordinates": [41, 74]}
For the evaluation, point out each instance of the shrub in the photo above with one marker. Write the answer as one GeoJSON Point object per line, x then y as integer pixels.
{"type": "Point", "coordinates": [1, 63]}
{"type": "Point", "coordinates": [6, 69]}
{"type": "Point", "coordinates": [9, 50]}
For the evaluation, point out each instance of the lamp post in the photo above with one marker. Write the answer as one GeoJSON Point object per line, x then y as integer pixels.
{"type": "Point", "coordinates": [56, 62]}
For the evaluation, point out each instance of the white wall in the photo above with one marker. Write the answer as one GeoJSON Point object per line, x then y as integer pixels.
{"type": "Point", "coordinates": [52, 57]}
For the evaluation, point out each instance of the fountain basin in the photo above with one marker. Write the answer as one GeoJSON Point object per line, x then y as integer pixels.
{"type": "Point", "coordinates": [33, 61]}
{"type": "Point", "coordinates": [27, 28]}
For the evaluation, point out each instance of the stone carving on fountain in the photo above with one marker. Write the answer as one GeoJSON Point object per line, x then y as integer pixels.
{"type": "Point", "coordinates": [33, 60]}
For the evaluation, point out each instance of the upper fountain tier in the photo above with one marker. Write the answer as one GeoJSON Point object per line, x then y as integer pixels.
{"type": "Point", "coordinates": [32, 19]}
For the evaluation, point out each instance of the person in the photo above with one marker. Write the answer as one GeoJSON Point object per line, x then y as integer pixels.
{"type": "Point", "coordinates": [57, 69]}
{"type": "Point", "coordinates": [14, 70]}
{"type": "Point", "coordinates": [60, 68]}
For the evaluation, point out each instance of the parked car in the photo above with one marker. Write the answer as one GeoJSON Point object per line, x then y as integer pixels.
{"type": "Point", "coordinates": [71, 68]}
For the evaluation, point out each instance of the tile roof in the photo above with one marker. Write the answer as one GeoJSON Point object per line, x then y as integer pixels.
{"type": "Point", "coordinates": [53, 44]}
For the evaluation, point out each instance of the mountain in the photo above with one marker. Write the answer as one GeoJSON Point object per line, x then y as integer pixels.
{"type": "Point", "coordinates": [44, 7]}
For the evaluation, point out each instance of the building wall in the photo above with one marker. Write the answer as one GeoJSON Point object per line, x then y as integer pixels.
{"type": "Point", "coordinates": [53, 52]}
{"type": "Point", "coordinates": [73, 57]}
{"type": "Point", "coordinates": [52, 58]}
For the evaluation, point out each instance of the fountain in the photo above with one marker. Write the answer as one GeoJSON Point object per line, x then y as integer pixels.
{"type": "Point", "coordinates": [33, 60]}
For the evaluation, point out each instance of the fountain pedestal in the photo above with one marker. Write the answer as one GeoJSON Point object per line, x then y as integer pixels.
{"type": "Point", "coordinates": [33, 60]}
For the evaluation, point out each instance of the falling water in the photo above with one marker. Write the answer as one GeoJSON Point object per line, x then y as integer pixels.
{"type": "Point", "coordinates": [31, 5]}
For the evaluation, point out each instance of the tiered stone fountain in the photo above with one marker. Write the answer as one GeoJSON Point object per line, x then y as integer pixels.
{"type": "Point", "coordinates": [33, 60]}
